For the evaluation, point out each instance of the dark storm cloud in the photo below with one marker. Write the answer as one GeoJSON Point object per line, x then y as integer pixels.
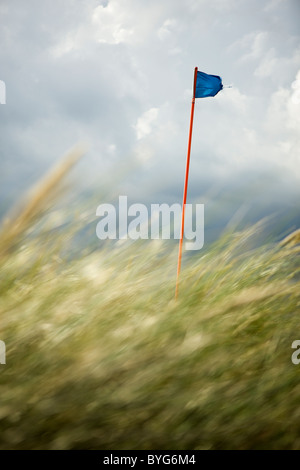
{"type": "Point", "coordinates": [118, 75]}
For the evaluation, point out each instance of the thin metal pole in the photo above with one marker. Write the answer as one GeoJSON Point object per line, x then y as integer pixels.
{"type": "Point", "coordinates": [186, 184]}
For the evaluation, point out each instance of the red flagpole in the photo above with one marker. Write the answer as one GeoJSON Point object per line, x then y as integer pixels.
{"type": "Point", "coordinates": [186, 183]}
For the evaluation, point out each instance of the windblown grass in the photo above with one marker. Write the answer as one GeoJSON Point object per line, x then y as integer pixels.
{"type": "Point", "coordinates": [100, 356]}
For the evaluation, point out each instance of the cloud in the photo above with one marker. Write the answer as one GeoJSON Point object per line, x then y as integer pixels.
{"type": "Point", "coordinates": [273, 65]}
{"type": "Point", "coordinates": [233, 100]}
{"type": "Point", "coordinates": [256, 42]}
{"type": "Point", "coordinates": [167, 28]}
{"type": "Point", "coordinates": [145, 123]}
{"type": "Point", "coordinates": [119, 74]}
{"type": "Point", "coordinates": [113, 25]}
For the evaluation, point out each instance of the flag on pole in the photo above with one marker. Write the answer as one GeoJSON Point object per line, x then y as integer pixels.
{"type": "Point", "coordinates": [207, 85]}
{"type": "Point", "coordinates": [204, 85]}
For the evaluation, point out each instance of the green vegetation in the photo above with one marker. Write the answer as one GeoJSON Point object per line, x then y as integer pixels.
{"type": "Point", "coordinates": [100, 356]}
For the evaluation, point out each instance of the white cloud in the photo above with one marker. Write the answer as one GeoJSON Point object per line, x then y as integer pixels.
{"type": "Point", "coordinates": [293, 106]}
{"type": "Point", "coordinates": [105, 24]}
{"type": "Point", "coordinates": [233, 99]}
{"type": "Point", "coordinates": [282, 125]}
{"type": "Point", "coordinates": [145, 122]}
{"type": "Point", "coordinates": [278, 66]}
{"type": "Point", "coordinates": [113, 23]}
{"type": "Point", "coordinates": [256, 42]}
{"type": "Point", "coordinates": [167, 28]}
{"type": "Point", "coordinates": [267, 65]}
{"type": "Point", "coordinates": [66, 45]}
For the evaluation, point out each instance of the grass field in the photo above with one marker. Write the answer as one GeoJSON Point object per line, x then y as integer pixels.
{"type": "Point", "coordinates": [100, 356]}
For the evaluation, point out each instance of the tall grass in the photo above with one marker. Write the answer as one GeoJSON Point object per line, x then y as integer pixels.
{"type": "Point", "coordinates": [100, 356]}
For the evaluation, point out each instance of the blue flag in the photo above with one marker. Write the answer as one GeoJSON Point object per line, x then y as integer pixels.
{"type": "Point", "coordinates": [207, 85]}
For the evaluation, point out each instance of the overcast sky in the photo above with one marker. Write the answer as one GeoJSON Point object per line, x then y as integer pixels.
{"type": "Point", "coordinates": [118, 75]}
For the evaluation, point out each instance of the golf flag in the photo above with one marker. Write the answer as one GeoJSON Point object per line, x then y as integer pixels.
{"type": "Point", "coordinates": [207, 85]}
{"type": "Point", "coordinates": [204, 85]}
